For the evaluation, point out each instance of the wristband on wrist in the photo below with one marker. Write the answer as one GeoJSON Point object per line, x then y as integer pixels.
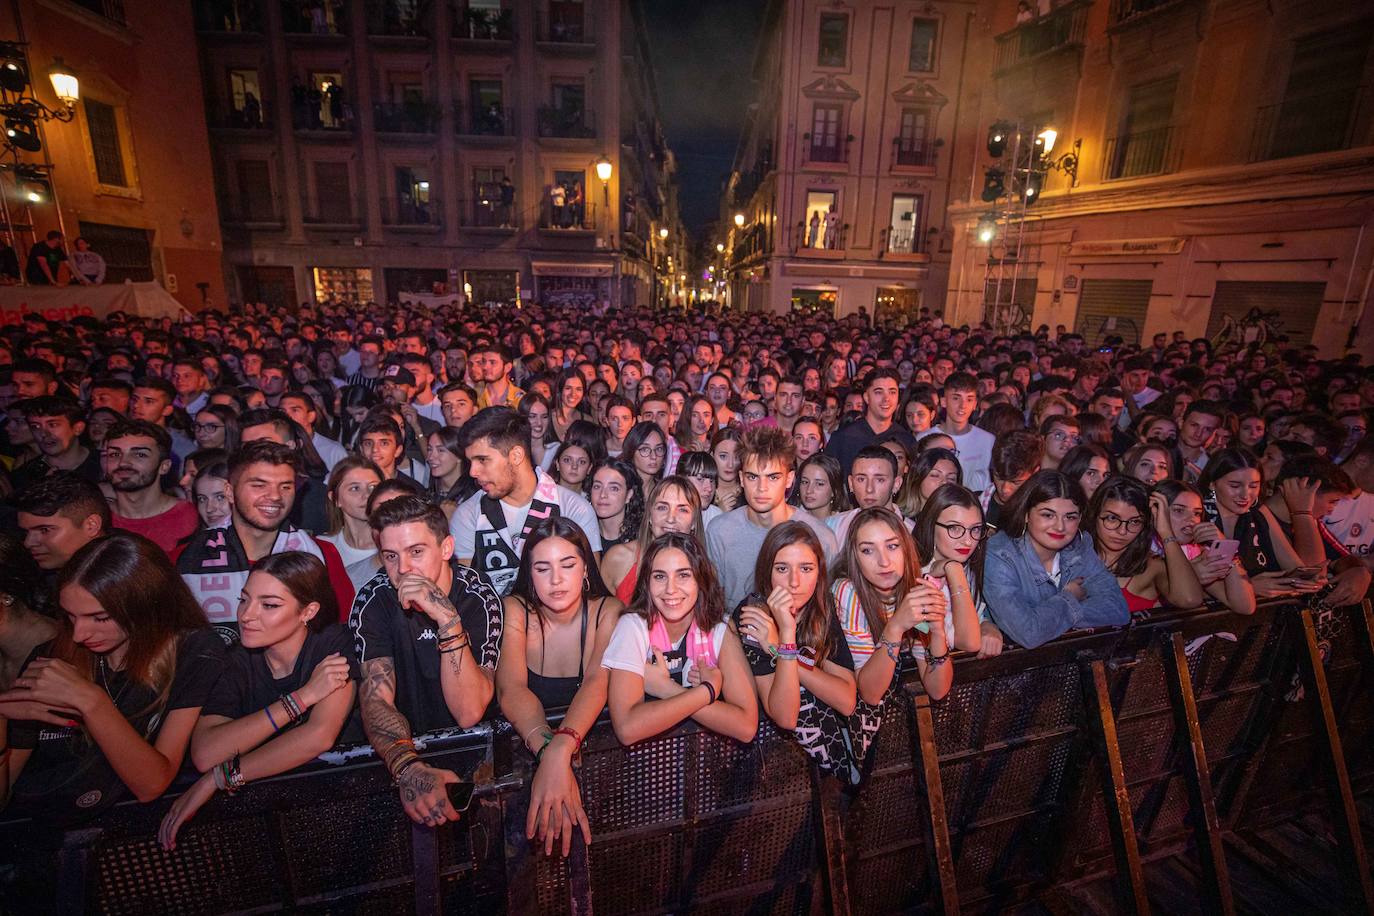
{"type": "Point", "coordinates": [1171, 539]}
{"type": "Point", "coordinates": [576, 739]}
{"type": "Point", "coordinates": [1300, 512]}
{"type": "Point", "coordinates": [710, 692]}
{"type": "Point", "coordinates": [787, 651]}
{"type": "Point", "coordinates": [893, 648]}
{"type": "Point", "coordinates": [268, 711]}
{"type": "Point", "coordinates": [406, 762]}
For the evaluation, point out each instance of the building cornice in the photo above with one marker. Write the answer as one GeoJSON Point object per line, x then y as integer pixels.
{"type": "Point", "coordinates": [1326, 175]}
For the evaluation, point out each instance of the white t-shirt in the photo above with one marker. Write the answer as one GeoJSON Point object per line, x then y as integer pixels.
{"type": "Point", "coordinates": [433, 410]}
{"type": "Point", "coordinates": [468, 519]}
{"type": "Point", "coordinates": [628, 649]}
{"type": "Point", "coordinates": [330, 451]}
{"type": "Point", "coordinates": [975, 454]}
{"type": "Point", "coordinates": [1352, 522]}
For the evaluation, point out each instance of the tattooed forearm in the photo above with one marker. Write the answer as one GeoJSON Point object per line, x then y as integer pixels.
{"type": "Point", "coordinates": [387, 730]}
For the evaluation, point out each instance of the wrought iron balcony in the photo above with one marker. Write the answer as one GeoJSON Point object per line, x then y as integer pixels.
{"type": "Point", "coordinates": [492, 121]}
{"type": "Point", "coordinates": [827, 149]}
{"type": "Point", "coordinates": [409, 212]}
{"type": "Point", "coordinates": [229, 16]}
{"type": "Point", "coordinates": [1141, 153]}
{"type": "Point", "coordinates": [314, 17]}
{"type": "Point", "coordinates": [1063, 28]}
{"type": "Point", "coordinates": [484, 25]}
{"type": "Point", "coordinates": [400, 18]}
{"type": "Point", "coordinates": [568, 123]}
{"type": "Point", "coordinates": [405, 117]}
{"type": "Point", "coordinates": [1314, 122]}
{"type": "Point", "coordinates": [916, 155]}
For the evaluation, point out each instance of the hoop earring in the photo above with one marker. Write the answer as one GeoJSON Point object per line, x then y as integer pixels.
{"type": "Point", "coordinates": [586, 582]}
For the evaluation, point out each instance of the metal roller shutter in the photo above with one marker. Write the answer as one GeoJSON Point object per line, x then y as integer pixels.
{"type": "Point", "coordinates": [1112, 308]}
{"type": "Point", "coordinates": [1291, 309]}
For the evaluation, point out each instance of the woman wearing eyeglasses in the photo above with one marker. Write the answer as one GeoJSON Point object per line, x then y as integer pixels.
{"type": "Point", "coordinates": [647, 449]}
{"type": "Point", "coordinates": [950, 531]}
{"type": "Point", "coordinates": [1124, 518]}
{"type": "Point", "coordinates": [216, 426]}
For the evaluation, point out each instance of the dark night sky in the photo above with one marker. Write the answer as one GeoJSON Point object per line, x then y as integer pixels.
{"type": "Point", "coordinates": [702, 52]}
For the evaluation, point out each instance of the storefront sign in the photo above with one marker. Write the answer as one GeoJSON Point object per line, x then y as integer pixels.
{"type": "Point", "coordinates": [1126, 246]}
{"type": "Point", "coordinates": [548, 269]}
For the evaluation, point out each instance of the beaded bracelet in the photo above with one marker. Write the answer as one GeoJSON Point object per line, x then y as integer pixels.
{"type": "Point", "coordinates": [292, 707]}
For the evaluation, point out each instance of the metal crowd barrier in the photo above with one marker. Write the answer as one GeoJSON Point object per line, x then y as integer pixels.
{"type": "Point", "coordinates": [1109, 771]}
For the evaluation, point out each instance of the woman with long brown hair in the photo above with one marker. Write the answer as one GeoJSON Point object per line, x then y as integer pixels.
{"type": "Point", "coordinates": [803, 672]}
{"type": "Point", "coordinates": [888, 612]}
{"type": "Point", "coordinates": [116, 695]}
{"type": "Point", "coordinates": [287, 691]}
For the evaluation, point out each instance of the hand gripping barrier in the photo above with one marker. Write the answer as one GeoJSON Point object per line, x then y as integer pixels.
{"type": "Point", "coordinates": [1194, 762]}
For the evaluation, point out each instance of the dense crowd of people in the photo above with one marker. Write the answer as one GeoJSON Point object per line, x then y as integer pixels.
{"type": "Point", "coordinates": [233, 542]}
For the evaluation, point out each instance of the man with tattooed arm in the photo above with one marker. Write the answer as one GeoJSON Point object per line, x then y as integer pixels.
{"type": "Point", "coordinates": [428, 635]}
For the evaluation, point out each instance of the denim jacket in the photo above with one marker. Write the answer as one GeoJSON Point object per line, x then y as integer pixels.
{"type": "Point", "coordinates": [1026, 604]}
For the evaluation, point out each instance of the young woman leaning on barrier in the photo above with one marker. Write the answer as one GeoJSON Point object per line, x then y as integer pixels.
{"type": "Point", "coordinates": [1042, 577]}
{"type": "Point", "coordinates": [558, 619]}
{"type": "Point", "coordinates": [107, 708]}
{"type": "Point", "coordinates": [885, 607]}
{"type": "Point", "coordinates": [287, 692]}
{"type": "Point", "coordinates": [672, 657]}
{"type": "Point", "coordinates": [1124, 518]}
{"type": "Point", "coordinates": [951, 534]}
{"type": "Point", "coordinates": [802, 668]}
{"type": "Point", "coordinates": [1216, 566]}
{"type": "Point", "coordinates": [1231, 486]}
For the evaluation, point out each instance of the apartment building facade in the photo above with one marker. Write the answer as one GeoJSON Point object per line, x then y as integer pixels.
{"type": "Point", "coordinates": [1224, 168]}
{"type": "Point", "coordinates": [433, 150]}
{"type": "Point", "coordinates": [841, 182]}
{"type": "Point", "coordinates": [122, 172]}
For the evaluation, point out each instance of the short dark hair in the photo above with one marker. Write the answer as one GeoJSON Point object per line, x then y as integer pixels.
{"type": "Point", "coordinates": [1333, 479]}
{"type": "Point", "coordinates": [268, 416]}
{"type": "Point", "coordinates": [1014, 453]}
{"type": "Point", "coordinates": [262, 451]}
{"type": "Point", "coordinates": [127, 427]}
{"type": "Point", "coordinates": [961, 381]}
{"type": "Point", "coordinates": [53, 405]}
{"type": "Point", "coordinates": [109, 383]}
{"type": "Point", "coordinates": [158, 384]}
{"type": "Point", "coordinates": [875, 453]}
{"type": "Point", "coordinates": [35, 366]}
{"type": "Point", "coordinates": [1211, 408]}
{"type": "Point", "coordinates": [405, 509]}
{"type": "Point", "coordinates": [376, 424]}
{"type": "Point", "coordinates": [65, 494]}
{"type": "Point", "coordinates": [876, 375]}
{"type": "Point", "coordinates": [503, 427]}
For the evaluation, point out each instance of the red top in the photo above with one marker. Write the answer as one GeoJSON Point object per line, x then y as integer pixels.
{"type": "Point", "coordinates": [164, 529]}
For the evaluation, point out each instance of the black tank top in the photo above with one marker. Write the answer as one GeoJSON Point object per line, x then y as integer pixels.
{"type": "Point", "coordinates": [558, 692]}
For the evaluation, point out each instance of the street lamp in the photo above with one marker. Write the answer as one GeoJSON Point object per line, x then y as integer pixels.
{"type": "Point", "coordinates": [987, 228]}
{"type": "Point", "coordinates": [1047, 138]}
{"type": "Point", "coordinates": [739, 220]}
{"type": "Point", "coordinates": [663, 232]}
{"type": "Point", "coordinates": [65, 85]}
{"type": "Point", "coordinates": [720, 247]}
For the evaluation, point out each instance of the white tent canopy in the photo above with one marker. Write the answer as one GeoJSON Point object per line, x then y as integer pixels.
{"type": "Point", "coordinates": [64, 303]}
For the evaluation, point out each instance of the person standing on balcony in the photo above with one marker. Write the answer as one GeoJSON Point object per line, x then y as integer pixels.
{"type": "Point", "coordinates": [558, 198]}
{"type": "Point", "coordinates": [813, 230]}
{"type": "Point", "coordinates": [832, 228]}
{"type": "Point", "coordinates": [507, 200]}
